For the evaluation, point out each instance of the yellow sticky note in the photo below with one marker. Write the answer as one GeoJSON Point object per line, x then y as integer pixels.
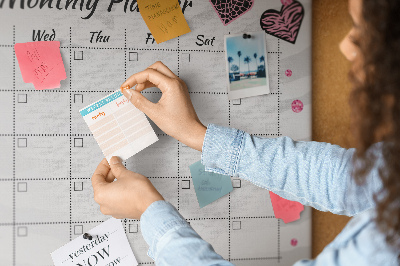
{"type": "Point", "coordinates": [164, 18]}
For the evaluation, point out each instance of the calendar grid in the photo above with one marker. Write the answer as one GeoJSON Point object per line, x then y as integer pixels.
{"type": "Point", "coordinates": [229, 223]}
{"type": "Point", "coordinates": [71, 179]}
{"type": "Point", "coordinates": [14, 218]}
{"type": "Point", "coordinates": [70, 138]}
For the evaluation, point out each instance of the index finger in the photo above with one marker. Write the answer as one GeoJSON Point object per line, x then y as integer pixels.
{"type": "Point", "coordinates": [100, 174]}
{"type": "Point", "coordinates": [160, 67]}
{"type": "Point", "coordinates": [160, 80]}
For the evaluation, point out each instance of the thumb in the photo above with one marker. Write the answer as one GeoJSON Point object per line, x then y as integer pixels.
{"type": "Point", "coordinates": [138, 100]}
{"type": "Point", "coordinates": [117, 167]}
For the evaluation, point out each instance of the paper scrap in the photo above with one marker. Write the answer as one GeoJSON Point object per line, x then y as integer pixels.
{"type": "Point", "coordinates": [109, 246]}
{"type": "Point", "coordinates": [209, 186]}
{"type": "Point", "coordinates": [41, 64]}
{"type": "Point", "coordinates": [284, 209]}
{"type": "Point", "coordinates": [118, 126]}
{"type": "Point", "coordinates": [164, 18]}
{"type": "Point", "coordinates": [229, 10]}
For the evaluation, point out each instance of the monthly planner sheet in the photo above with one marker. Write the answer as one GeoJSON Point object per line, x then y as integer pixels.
{"type": "Point", "coordinates": [52, 140]}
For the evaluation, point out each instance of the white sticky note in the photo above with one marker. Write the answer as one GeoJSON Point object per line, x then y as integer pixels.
{"type": "Point", "coordinates": [118, 126]}
{"type": "Point", "coordinates": [109, 246]}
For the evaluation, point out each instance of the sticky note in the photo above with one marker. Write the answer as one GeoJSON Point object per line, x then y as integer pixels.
{"type": "Point", "coordinates": [108, 246]}
{"type": "Point", "coordinates": [284, 209]}
{"type": "Point", "coordinates": [118, 126]}
{"type": "Point", "coordinates": [164, 18]}
{"type": "Point", "coordinates": [209, 186]}
{"type": "Point", "coordinates": [41, 64]}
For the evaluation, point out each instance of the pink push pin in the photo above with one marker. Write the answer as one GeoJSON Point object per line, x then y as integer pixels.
{"type": "Point", "coordinates": [288, 72]}
{"type": "Point", "coordinates": [293, 242]}
{"type": "Point", "coordinates": [286, 2]}
{"type": "Point", "coordinates": [297, 106]}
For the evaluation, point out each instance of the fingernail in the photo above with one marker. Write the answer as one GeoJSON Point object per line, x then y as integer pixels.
{"type": "Point", "coordinates": [115, 160]}
{"type": "Point", "coordinates": [127, 93]}
{"type": "Point", "coordinates": [124, 88]}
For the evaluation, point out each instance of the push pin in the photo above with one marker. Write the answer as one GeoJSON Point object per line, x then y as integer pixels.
{"type": "Point", "coordinates": [87, 236]}
{"type": "Point", "coordinates": [246, 36]}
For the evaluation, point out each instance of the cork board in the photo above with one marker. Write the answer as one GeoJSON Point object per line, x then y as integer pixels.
{"type": "Point", "coordinates": [331, 89]}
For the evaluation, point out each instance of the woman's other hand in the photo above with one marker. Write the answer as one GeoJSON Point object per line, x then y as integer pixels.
{"type": "Point", "coordinates": [127, 197]}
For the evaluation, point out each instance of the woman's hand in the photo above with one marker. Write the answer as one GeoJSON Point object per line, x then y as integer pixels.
{"type": "Point", "coordinates": [128, 196]}
{"type": "Point", "coordinates": [173, 113]}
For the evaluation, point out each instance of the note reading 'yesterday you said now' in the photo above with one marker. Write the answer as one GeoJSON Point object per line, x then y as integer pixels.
{"type": "Point", "coordinates": [164, 18]}
{"type": "Point", "coordinates": [108, 246]}
{"type": "Point", "coordinates": [118, 126]}
{"type": "Point", "coordinates": [209, 186]}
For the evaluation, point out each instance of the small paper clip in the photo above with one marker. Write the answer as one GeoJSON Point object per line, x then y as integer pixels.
{"type": "Point", "coordinates": [87, 236]}
{"type": "Point", "coordinates": [246, 36]}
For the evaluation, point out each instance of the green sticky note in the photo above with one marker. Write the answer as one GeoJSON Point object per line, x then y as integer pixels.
{"type": "Point", "coordinates": [209, 186]}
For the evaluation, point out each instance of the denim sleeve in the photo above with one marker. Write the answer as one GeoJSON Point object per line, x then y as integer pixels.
{"type": "Point", "coordinates": [172, 241]}
{"type": "Point", "coordinates": [312, 173]}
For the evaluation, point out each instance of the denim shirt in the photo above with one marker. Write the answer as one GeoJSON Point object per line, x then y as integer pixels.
{"type": "Point", "coordinates": [312, 173]}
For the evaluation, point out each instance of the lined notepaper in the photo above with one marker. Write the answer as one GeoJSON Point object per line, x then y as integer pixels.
{"type": "Point", "coordinates": [118, 126]}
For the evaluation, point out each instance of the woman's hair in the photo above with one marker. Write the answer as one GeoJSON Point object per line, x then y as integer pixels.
{"type": "Point", "coordinates": [375, 103]}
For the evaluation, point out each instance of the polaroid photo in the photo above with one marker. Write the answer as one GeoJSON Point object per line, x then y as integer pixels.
{"type": "Point", "coordinates": [246, 64]}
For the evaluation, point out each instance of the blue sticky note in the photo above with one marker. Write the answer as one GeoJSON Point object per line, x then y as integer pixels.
{"type": "Point", "coordinates": [209, 186]}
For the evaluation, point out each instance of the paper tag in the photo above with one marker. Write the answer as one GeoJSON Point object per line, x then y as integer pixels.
{"type": "Point", "coordinates": [41, 64]}
{"type": "Point", "coordinates": [109, 246]}
{"type": "Point", "coordinates": [164, 18]}
{"type": "Point", "coordinates": [118, 126]}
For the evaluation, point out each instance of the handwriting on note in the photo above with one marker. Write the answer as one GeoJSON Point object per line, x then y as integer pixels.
{"type": "Point", "coordinates": [164, 18]}
{"type": "Point", "coordinates": [41, 64]}
{"type": "Point", "coordinates": [287, 210]}
{"type": "Point", "coordinates": [108, 246]}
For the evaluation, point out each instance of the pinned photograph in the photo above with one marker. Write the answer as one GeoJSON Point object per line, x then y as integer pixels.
{"type": "Point", "coordinates": [246, 64]}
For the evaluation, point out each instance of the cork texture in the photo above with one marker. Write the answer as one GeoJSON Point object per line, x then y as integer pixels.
{"type": "Point", "coordinates": [331, 89]}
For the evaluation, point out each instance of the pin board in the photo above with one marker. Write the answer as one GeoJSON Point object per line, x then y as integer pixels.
{"type": "Point", "coordinates": [48, 154]}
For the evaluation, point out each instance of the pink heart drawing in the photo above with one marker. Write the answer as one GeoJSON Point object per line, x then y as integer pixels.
{"type": "Point", "coordinates": [285, 24]}
{"type": "Point", "coordinates": [229, 10]}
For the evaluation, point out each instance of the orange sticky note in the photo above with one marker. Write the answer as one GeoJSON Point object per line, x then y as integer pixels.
{"type": "Point", "coordinates": [41, 64]}
{"type": "Point", "coordinates": [164, 18]}
{"type": "Point", "coordinates": [284, 209]}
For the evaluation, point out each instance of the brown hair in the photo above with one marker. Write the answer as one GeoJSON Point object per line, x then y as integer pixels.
{"type": "Point", "coordinates": [375, 103]}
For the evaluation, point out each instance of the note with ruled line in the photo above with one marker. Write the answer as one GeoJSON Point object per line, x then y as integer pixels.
{"type": "Point", "coordinates": [118, 126]}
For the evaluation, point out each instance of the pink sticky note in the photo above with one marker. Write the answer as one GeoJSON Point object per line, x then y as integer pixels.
{"type": "Point", "coordinates": [41, 64]}
{"type": "Point", "coordinates": [284, 209]}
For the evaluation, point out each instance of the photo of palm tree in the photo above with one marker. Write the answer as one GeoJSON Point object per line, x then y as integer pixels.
{"type": "Point", "coordinates": [262, 60]}
{"type": "Point", "coordinates": [242, 56]}
{"type": "Point", "coordinates": [255, 59]}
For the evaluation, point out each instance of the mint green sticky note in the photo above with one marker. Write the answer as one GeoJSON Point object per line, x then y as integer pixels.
{"type": "Point", "coordinates": [209, 186]}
